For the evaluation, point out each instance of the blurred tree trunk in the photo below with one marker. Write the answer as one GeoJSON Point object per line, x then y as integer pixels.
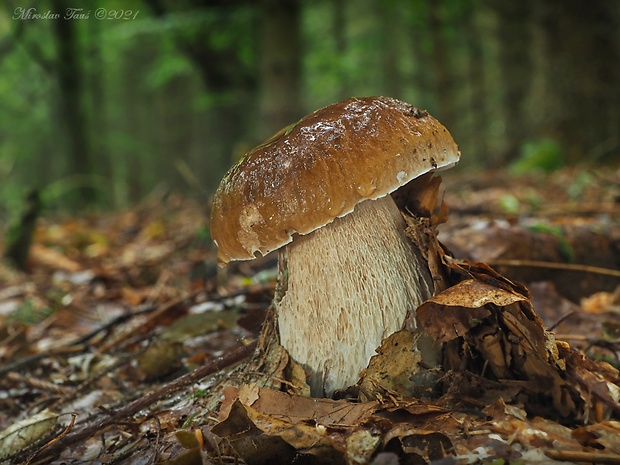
{"type": "Point", "coordinates": [581, 72]}
{"type": "Point", "coordinates": [135, 122]}
{"type": "Point", "coordinates": [70, 75]}
{"type": "Point", "coordinates": [20, 233]}
{"type": "Point", "coordinates": [175, 123]}
{"type": "Point", "coordinates": [477, 112]}
{"type": "Point", "coordinates": [441, 64]}
{"type": "Point", "coordinates": [339, 28]}
{"type": "Point", "coordinates": [280, 65]}
{"type": "Point", "coordinates": [98, 104]}
{"type": "Point", "coordinates": [391, 57]}
{"type": "Point", "coordinates": [515, 60]}
{"type": "Point", "coordinates": [419, 34]}
{"type": "Point", "coordinates": [228, 80]}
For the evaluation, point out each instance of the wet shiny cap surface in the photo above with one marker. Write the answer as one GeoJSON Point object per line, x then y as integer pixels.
{"type": "Point", "coordinates": [318, 169]}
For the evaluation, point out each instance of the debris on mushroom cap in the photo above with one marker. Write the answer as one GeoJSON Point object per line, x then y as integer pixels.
{"type": "Point", "coordinates": [319, 168]}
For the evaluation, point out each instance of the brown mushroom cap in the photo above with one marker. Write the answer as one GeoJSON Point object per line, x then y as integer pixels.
{"type": "Point", "coordinates": [321, 167]}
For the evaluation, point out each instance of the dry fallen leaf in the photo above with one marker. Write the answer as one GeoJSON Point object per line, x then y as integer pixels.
{"type": "Point", "coordinates": [269, 426]}
{"type": "Point", "coordinates": [26, 432]}
{"type": "Point", "coordinates": [395, 370]}
{"type": "Point", "coordinates": [453, 312]}
{"type": "Point", "coordinates": [53, 259]}
{"type": "Point", "coordinates": [491, 329]}
{"type": "Point", "coordinates": [602, 302]}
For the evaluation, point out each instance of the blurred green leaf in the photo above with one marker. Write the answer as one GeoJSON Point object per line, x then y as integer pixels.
{"type": "Point", "coordinates": [29, 313]}
{"type": "Point", "coordinates": [510, 204]}
{"type": "Point", "coordinates": [544, 155]}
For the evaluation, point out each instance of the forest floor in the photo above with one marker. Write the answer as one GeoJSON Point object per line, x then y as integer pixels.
{"type": "Point", "coordinates": [110, 342]}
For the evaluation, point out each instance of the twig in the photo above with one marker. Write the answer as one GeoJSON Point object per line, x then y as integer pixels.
{"type": "Point", "coordinates": [561, 320]}
{"type": "Point", "coordinates": [38, 383]}
{"type": "Point", "coordinates": [612, 346]}
{"type": "Point", "coordinates": [20, 363]}
{"type": "Point", "coordinates": [156, 454]}
{"type": "Point", "coordinates": [230, 358]}
{"type": "Point", "coordinates": [556, 266]}
{"type": "Point", "coordinates": [581, 456]}
{"type": "Point", "coordinates": [155, 314]}
{"type": "Point", "coordinates": [572, 337]}
{"type": "Point", "coordinates": [74, 391]}
{"type": "Point", "coordinates": [113, 322]}
{"type": "Point", "coordinates": [77, 344]}
{"type": "Point", "coordinates": [54, 440]}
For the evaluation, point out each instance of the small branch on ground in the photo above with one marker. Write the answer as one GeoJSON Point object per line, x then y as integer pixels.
{"type": "Point", "coordinates": [213, 366]}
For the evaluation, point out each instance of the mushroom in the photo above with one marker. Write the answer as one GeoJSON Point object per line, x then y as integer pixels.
{"type": "Point", "coordinates": [319, 192]}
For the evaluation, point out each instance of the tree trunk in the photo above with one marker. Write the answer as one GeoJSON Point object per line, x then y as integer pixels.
{"type": "Point", "coordinates": [391, 55]}
{"type": "Point", "coordinates": [477, 123]}
{"type": "Point", "coordinates": [440, 63]}
{"type": "Point", "coordinates": [422, 79]}
{"type": "Point", "coordinates": [280, 65]}
{"type": "Point", "coordinates": [339, 30]}
{"type": "Point", "coordinates": [98, 106]}
{"type": "Point", "coordinates": [230, 82]}
{"type": "Point", "coordinates": [514, 34]}
{"type": "Point", "coordinates": [70, 77]}
{"type": "Point", "coordinates": [19, 236]}
{"type": "Point", "coordinates": [580, 69]}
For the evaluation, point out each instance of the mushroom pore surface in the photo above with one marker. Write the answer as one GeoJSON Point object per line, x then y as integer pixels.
{"type": "Point", "coordinates": [349, 285]}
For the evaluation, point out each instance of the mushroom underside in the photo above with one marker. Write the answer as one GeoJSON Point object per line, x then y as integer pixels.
{"type": "Point", "coordinates": [345, 287]}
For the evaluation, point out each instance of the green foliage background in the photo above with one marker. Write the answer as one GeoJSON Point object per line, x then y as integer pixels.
{"type": "Point", "coordinates": [172, 96]}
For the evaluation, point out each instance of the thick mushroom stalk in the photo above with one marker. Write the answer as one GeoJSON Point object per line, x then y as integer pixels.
{"type": "Point", "coordinates": [347, 286]}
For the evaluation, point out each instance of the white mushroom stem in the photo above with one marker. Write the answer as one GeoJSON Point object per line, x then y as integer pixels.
{"type": "Point", "coordinates": [346, 287]}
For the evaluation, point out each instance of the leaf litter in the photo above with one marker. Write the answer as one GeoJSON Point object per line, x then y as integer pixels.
{"type": "Point", "coordinates": [125, 321]}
